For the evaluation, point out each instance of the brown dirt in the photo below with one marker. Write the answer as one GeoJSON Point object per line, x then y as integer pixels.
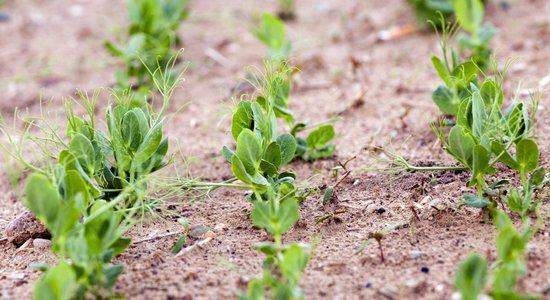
{"type": "Point", "coordinates": [50, 48]}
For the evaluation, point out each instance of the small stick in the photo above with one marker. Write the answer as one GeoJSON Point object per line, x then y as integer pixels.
{"type": "Point", "coordinates": [158, 237]}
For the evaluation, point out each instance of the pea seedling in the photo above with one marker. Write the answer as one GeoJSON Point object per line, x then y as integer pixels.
{"type": "Point", "coordinates": [469, 14]}
{"type": "Point", "coordinates": [378, 236]}
{"type": "Point", "coordinates": [90, 195]}
{"type": "Point", "coordinates": [473, 273]}
{"type": "Point", "coordinates": [271, 32]}
{"type": "Point", "coordinates": [152, 41]}
{"type": "Point", "coordinates": [261, 151]}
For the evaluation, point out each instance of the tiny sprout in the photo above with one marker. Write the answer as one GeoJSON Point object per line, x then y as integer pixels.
{"type": "Point", "coordinates": [378, 236]}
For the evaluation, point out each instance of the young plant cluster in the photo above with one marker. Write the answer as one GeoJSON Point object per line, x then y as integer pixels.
{"type": "Point", "coordinates": [485, 133]}
{"type": "Point", "coordinates": [260, 153]}
{"type": "Point", "coordinates": [474, 273]}
{"type": "Point", "coordinates": [89, 195]}
{"type": "Point", "coordinates": [458, 76]}
{"type": "Point", "coordinates": [152, 41]}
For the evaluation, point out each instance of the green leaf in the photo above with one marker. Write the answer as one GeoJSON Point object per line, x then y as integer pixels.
{"type": "Point", "coordinates": [471, 277]}
{"type": "Point", "coordinates": [464, 74]}
{"type": "Point", "coordinates": [271, 31]}
{"type": "Point", "coordinates": [59, 283]}
{"type": "Point", "coordinates": [122, 156]}
{"type": "Point", "coordinates": [156, 161]}
{"type": "Point", "coordinates": [515, 202]}
{"type": "Point", "coordinates": [537, 177]}
{"type": "Point", "coordinates": [273, 154]}
{"type": "Point", "coordinates": [268, 168]}
{"type": "Point", "coordinates": [491, 93]}
{"type": "Point", "coordinates": [249, 151]}
{"type": "Point", "coordinates": [461, 145]}
{"type": "Point", "coordinates": [114, 49]}
{"type": "Point", "coordinates": [240, 171]}
{"type": "Point", "coordinates": [84, 152]}
{"type": "Point", "coordinates": [111, 274]}
{"type": "Point", "coordinates": [102, 231]}
{"type": "Point", "coordinates": [319, 137]}
{"type": "Point", "coordinates": [517, 121]}
{"type": "Point", "coordinates": [179, 244]}
{"type": "Point", "coordinates": [479, 115]}
{"type": "Point", "coordinates": [444, 100]}
{"type": "Point", "coordinates": [294, 262]}
{"type": "Point", "coordinates": [227, 153]}
{"type": "Point", "coordinates": [503, 155]}
{"type": "Point", "coordinates": [131, 132]}
{"type": "Point", "coordinates": [328, 194]}
{"type": "Point", "coordinates": [120, 245]}
{"type": "Point", "coordinates": [288, 147]}
{"type": "Point", "coordinates": [148, 147]}
{"type": "Point", "coordinates": [135, 45]}
{"type": "Point", "coordinates": [275, 221]}
{"type": "Point", "coordinates": [242, 119]}
{"type": "Point", "coordinates": [442, 70]}
{"type": "Point", "coordinates": [76, 189]}
{"type": "Point", "coordinates": [527, 155]}
{"type": "Point", "coordinates": [480, 164]}
{"type": "Point", "coordinates": [474, 201]}
{"type": "Point", "coordinates": [363, 245]}
{"type": "Point", "coordinates": [44, 201]}
{"type": "Point", "coordinates": [469, 14]}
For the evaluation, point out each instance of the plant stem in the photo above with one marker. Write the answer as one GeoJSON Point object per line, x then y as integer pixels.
{"type": "Point", "coordinates": [444, 168]}
{"type": "Point", "coordinates": [381, 251]}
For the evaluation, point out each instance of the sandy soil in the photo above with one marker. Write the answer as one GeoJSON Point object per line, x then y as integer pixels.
{"type": "Point", "coordinates": [50, 48]}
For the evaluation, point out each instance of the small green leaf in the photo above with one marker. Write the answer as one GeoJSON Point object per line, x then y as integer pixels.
{"type": "Point", "coordinates": [148, 146]}
{"type": "Point", "coordinates": [442, 70]}
{"type": "Point", "coordinates": [288, 147]}
{"type": "Point", "coordinates": [249, 151]}
{"type": "Point", "coordinates": [242, 119]}
{"type": "Point", "coordinates": [273, 155]}
{"type": "Point", "coordinates": [461, 145]}
{"type": "Point", "coordinates": [471, 277]}
{"type": "Point", "coordinates": [479, 115]}
{"type": "Point", "coordinates": [527, 155]}
{"type": "Point", "coordinates": [227, 153]}
{"type": "Point", "coordinates": [131, 133]}
{"type": "Point", "coordinates": [84, 152]}
{"type": "Point", "coordinates": [469, 14]}
{"type": "Point", "coordinates": [474, 201]}
{"type": "Point", "coordinates": [444, 99]}
{"type": "Point", "coordinates": [273, 220]}
{"type": "Point", "coordinates": [294, 262]}
{"type": "Point", "coordinates": [179, 244]}
{"type": "Point", "coordinates": [480, 164]}
{"type": "Point", "coordinates": [271, 31]}
{"type": "Point", "coordinates": [59, 283]}
{"type": "Point", "coordinates": [319, 137]}
{"type": "Point", "coordinates": [328, 194]}
{"type": "Point", "coordinates": [503, 155]}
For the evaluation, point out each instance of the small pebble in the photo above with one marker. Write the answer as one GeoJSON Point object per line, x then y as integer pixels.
{"type": "Point", "coordinates": [380, 211]}
{"type": "Point", "coordinates": [417, 253]}
{"type": "Point", "coordinates": [371, 207]}
{"type": "Point", "coordinates": [41, 244]}
{"type": "Point", "coordinates": [368, 285]}
{"type": "Point", "coordinates": [425, 270]}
